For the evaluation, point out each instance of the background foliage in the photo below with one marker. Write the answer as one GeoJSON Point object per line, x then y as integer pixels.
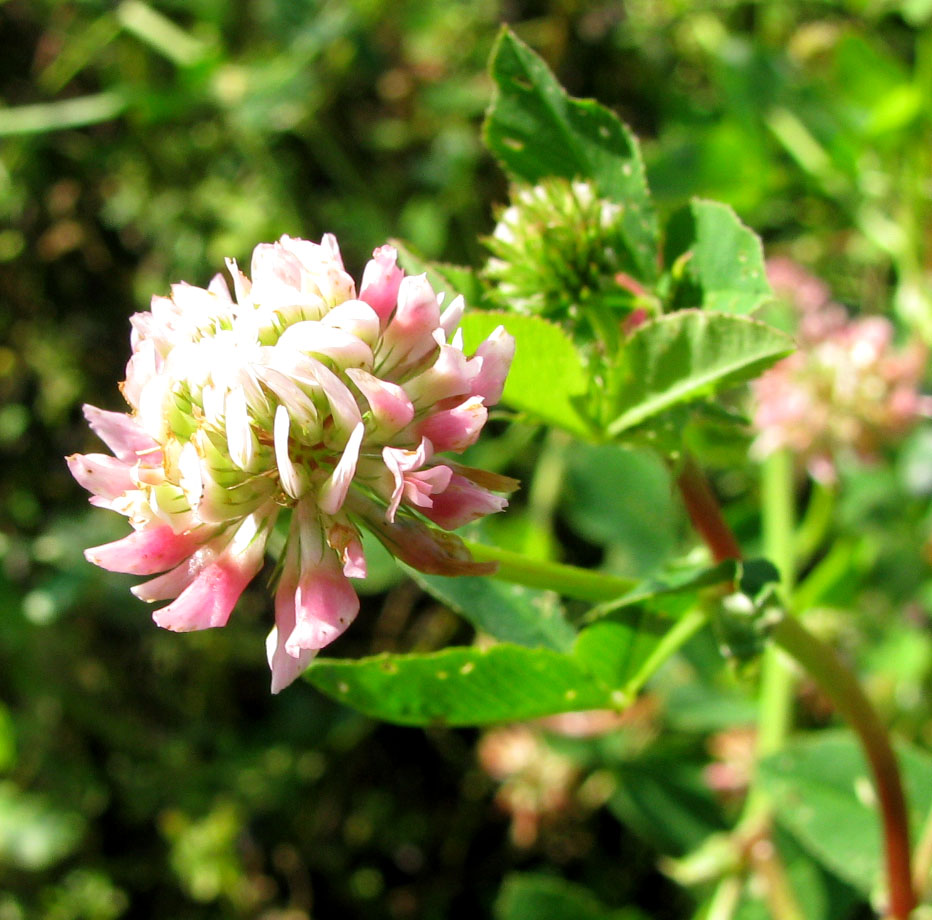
{"type": "Point", "coordinates": [151, 775]}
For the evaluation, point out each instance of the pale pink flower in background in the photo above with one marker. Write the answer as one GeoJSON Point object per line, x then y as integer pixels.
{"type": "Point", "coordinates": [293, 393]}
{"type": "Point", "coordinates": [536, 783]}
{"type": "Point", "coordinates": [848, 388]}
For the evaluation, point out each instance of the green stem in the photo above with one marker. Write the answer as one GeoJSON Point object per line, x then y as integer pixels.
{"type": "Point", "coordinates": [775, 704]}
{"type": "Point", "coordinates": [568, 580]}
{"type": "Point", "coordinates": [726, 899]}
{"type": "Point", "coordinates": [671, 642]}
{"type": "Point", "coordinates": [840, 685]}
{"type": "Point", "coordinates": [815, 524]}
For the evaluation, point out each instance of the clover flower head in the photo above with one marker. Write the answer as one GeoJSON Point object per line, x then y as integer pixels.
{"type": "Point", "coordinates": [557, 248]}
{"type": "Point", "coordinates": [296, 392]}
{"type": "Point", "coordinates": [848, 388]}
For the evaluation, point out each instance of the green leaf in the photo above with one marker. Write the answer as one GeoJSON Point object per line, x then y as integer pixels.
{"type": "Point", "coordinates": [461, 686]}
{"type": "Point", "coordinates": [547, 377]}
{"type": "Point", "coordinates": [823, 795]}
{"type": "Point", "coordinates": [546, 897]}
{"type": "Point", "coordinates": [613, 652]}
{"type": "Point", "coordinates": [511, 613]}
{"type": "Point", "coordinates": [638, 527]}
{"type": "Point", "coordinates": [688, 355]}
{"type": "Point", "coordinates": [443, 277]}
{"type": "Point", "coordinates": [721, 260]}
{"type": "Point", "coordinates": [501, 683]}
{"type": "Point", "coordinates": [663, 797]}
{"type": "Point", "coordinates": [536, 130]}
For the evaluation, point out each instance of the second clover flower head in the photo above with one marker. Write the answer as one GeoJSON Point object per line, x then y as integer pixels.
{"type": "Point", "coordinates": [847, 390]}
{"type": "Point", "coordinates": [294, 391]}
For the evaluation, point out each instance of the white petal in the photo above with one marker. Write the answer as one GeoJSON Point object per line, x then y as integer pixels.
{"type": "Point", "coordinates": [240, 438]}
{"type": "Point", "coordinates": [291, 481]}
{"type": "Point", "coordinates": [333, 491]}
{"type": "Point", "coordinates": [191, 480]}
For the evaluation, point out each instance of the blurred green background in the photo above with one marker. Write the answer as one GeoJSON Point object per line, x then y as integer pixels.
{"type": "Point", "coordinates": [145, 774]}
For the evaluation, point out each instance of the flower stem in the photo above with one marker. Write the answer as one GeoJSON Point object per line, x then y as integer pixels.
{"type": "Point", "coordinates": [705, 513]}
{"type": "Point", "coordinates": [819, 659]}
{"type": "Point", "coordinates": [775, 704]}
{"type": "Point", "coordinates": [568, 580]}
{"type": "Point", "coordinates": [838, 683]}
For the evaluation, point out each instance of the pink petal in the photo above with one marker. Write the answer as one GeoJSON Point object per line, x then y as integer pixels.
{"type": "Point", "coordinates": [325, 602]}
{"type": "Point", "coordinates": [286, 668]}
{"type": "Point", "coordinates": [452, 315]}
{"type": "Point", "coordinates": [219, 288]}
{"type": "Point", "coordinates": [122, 434]}
{"type": "Point", "coordinates": [327, 343]}
{"type": "Point", "coordinates": [328, 242]}
{"type": "Point", "coordinates": [398, 461]}
{"type": "Point", "coordinates": [450, 375]}
{"type": "Point", "coordinates": [391, 408]}
{"type": "Point", "coordinates": [169, 585]}
{"type": "Point", "coordinates": [457, 428]}
{"type": "Point", "coordinates": [322, 267]}
{"type": "Point", "coordinates": [380, 281]}
{"type": "Point", "coordinates": [325, 605]}
{"type": "Point", "coordinates": [419, 487]}
{"type": "Point", "coordinates": [463, 502]}
{"type": "Point", "coordinates": [274, 266]}
{"type": "Point", "coordinates": [145, 552]}
{"type": "Point", "coordinates": [409, 335]}
{"type": "Point", "coordinates": [497, 353]}
{"type": "Point", "coordinates": [210, 598]}
{"type": "Point", "coordinates": [140, 369]}
{"type": "Point", "coordinates": [103, 475]}
{"type": "Point", "coordinates": [355, 317]}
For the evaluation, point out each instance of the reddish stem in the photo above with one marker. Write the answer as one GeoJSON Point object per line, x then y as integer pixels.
{"type": "Point", "coordinates": [836, 680]}
{"type": "Point", "coordinates": [705, 512]}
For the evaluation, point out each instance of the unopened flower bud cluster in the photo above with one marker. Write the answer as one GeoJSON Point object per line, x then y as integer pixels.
{"type": "Point", "coordinates": [556, 250]}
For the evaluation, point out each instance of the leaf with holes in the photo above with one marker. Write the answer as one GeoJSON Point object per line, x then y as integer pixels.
{"type": "Point", "coordinates": [536, 130]}
{"type": "Point", "coordinates": [718, 263]}
{"type": "Point", "coordinates": [461, 686]}
{"type": "Point", "coordinates": [500, 683]}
